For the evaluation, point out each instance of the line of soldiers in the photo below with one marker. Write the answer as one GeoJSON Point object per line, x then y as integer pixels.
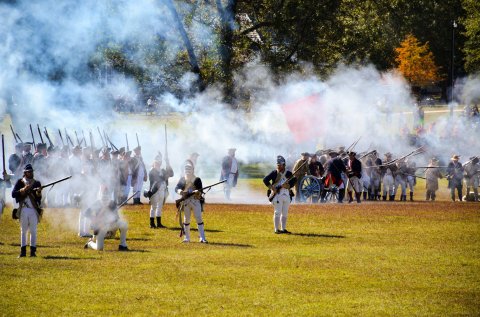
{"type": "Point", "coordinates": [376, 179]}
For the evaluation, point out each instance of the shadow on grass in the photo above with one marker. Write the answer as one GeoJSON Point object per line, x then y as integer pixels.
{"type": "Point", "coordinates": [38, 246]}
{"type": "Point", "coordinates": [237, 245]}
{"type": "Point", "coordinates": [52, 257]}
{"type": "Point", "coordinates": [317, 235]}
{"type": "Point", "coordinates": [130, 251]}
{"type": "Point", "coordinates": [192, 229]}
{"type": "Point", "coordinates": [135, 239]}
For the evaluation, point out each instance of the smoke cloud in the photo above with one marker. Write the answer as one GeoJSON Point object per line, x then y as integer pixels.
{"type": "Point", "coordinates": [47, 53]}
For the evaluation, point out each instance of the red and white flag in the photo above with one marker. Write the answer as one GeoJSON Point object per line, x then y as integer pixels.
{"type": "Point", "coordinates": [304, 118]}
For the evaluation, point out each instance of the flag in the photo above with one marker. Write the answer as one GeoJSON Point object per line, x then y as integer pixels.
{"type": "Point", "coordinates": [304, 118]}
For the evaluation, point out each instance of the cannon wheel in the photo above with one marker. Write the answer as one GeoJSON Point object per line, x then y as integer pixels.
{"type": "Point", "coordinates": [331, 193]}
{"type": "Point", "coordinates": [310, 187]}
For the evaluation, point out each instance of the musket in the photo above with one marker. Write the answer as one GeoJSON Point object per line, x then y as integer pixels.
{"type": "Point", "coordinates": [50, 184]}
{"type": "Point", "coordinates": [126, 139]}
{"type": "Point", "coordinates": [33, 138]}
{"type": "Point", "coordinates": [14, 135]}
{"type": "Point", "coordinates": [40, 133]}
{"type": "Point", "coordinates": [3, 155]}
{"type": "Point", "coordinates": [92, 141]}
{"type": "Point", "coordinates": [188, 195]}
{"type": "Point", "coordinates": [366, 154]}
{"type": "Point", "coordinates": [104, 143]}
{"type": "Point", "coordinates": [76, 136]}
{"type": "Point", "coordinates": [126, 200]}
{"type": "Point", "coordinates": [353, 145]}
{"type": "Point", "coordinates": [84, 138]}
{"type": "Point", "coordinates": [61, 137]}
{"type": "Point", "coordinates": [431, 166]}
{"type": "Point", "coordinates": [420, 150]}
{"type": "Point", "coordinates": [47, 136]}
{"type": "Point", "coordinates": [138, 143]}
{"type": "Point", "coordinates": [19, 137]}
{"type": "Point", "coordinates": [55, 182]}
{"type": "Point", "coordinates": [112, 145]}
{"type": "Point", "coordinates": [179, 205]}
{"type": "Point", "coordinates": [68, 138]}
{"type": "Point", "coordinates": [473, 158]}
{"type": "Point", "coordinates": [272, 193]}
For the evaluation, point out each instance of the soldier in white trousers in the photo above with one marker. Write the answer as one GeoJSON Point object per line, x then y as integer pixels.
{"type": "Point", "coordinates": [139, 174]}
{"type": "Point", "coordinates": [105, 221]}
{"type": "Point", "coordinates": [28, 194]}
{"type": "Point", "coordinates": [189, 187]}
{"type": "Point", "coordinates": [279, 182]}
{"type": "Point", "coordinates": [158, 191]}
{"type": "Point", "coordinates": [388, 180]}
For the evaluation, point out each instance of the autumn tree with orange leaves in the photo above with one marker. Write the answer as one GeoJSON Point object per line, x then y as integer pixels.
{"type": "Point", "coordinates": [416, 62]}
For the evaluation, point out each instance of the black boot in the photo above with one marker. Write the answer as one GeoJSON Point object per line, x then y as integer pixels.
{"type": "Point", "coordinates": [350, 197]}
{"type": "Point", "coordinates": [411, 196]}
{"type": "Point", "coordinates": [391, 198]}
{"type": "Point", "coordinates": [23, 252]}
{"type": "Point", "coordinates": [33, 251]}
{"type": "Point", "coordinates": [358, 196]}
{"type": "Point", "coordinates": [365, 195]}
{"type": "Point", "coordinates": [384, 197]}
{"type": "Point", "coordinates": [404, 197]}
{"type": "Point", "coordinates": [159, 223]}
{"type": "Point", "coordinates": [341, 195]}
{"type": "Point", "coordinates": [152, 223]}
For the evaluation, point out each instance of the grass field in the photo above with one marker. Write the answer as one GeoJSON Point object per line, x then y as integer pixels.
{"type": "Point", "coordinates": [371, 259]}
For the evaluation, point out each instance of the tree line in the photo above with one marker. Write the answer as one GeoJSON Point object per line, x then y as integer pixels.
{"type": "Point", "coordinates": [286, 34]}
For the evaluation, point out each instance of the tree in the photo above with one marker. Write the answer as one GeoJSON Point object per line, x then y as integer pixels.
{"type": "Point", "coordinates": [472, 33]}
{"type": "Point", "coordinates": [416, 62]}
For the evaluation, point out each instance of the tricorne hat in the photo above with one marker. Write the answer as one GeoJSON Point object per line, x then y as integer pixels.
{"type": "Point", "coordinates": [455, 157]}
{"type": "Point", "coordinates": [28, 168]}
{"type": "Point", "coordinates": [280, 160]}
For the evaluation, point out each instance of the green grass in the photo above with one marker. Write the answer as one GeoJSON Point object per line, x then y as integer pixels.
{"type": "Point", "coordinates": [387, 259]}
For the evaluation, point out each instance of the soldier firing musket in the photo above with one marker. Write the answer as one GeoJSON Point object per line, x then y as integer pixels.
{"type": "Point", "coordinates": [191, 189]}
{"type": "Point", "coordinates": [106, 221]}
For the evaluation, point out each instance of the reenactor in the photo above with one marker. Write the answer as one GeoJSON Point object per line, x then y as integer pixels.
{"type": "Point", "coordinates": [279, 182]}
{"type": "Point", "coordinates": [354, 173]}
{"type": "Point", "coordinates": [158, 190]}
{"type": "Point", "coordinates": [455, 177]}
{"type": "Point", "coordinates": [431, 179]}
{"type": "Point", "coordinates": [139, 174]}
{"type": "Point", "coordinates": [388, 178]}
{"type": "Point", "coordinates": [471, 174]}
{"type": "Point", "coordinates": [229, 172]}
{"type": "Point", "coordinates": [189, 187]}
{"type": "Point", "coordinates": [28, 194]}
{"type": "Point", "coordinates": [301, 169]}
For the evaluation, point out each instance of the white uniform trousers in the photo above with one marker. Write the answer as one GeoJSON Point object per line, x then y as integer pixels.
{"type": "Point", "coordinates": [355, 184]}
{"type": "Point", "coordinates": [126, 188]}
{"type": "Point", "coordinates": [281, 203]}
{"type": "Point", "coordinates": [388, 185]}
{"type": "Point", "coordinates": [156, 201]}
{"type": "Point", "coordinates": [28, 222]}
{"type": "Point", "coordinates": [400, 181]}
{"type": "Point", "coordinates": [411, 183]}
{"type": "Point", "coordinates": [139, 184]}
{"type": "Point", "coordinates": [100, 237]}
{"type": "Point", "coordinates": [193, 205]}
